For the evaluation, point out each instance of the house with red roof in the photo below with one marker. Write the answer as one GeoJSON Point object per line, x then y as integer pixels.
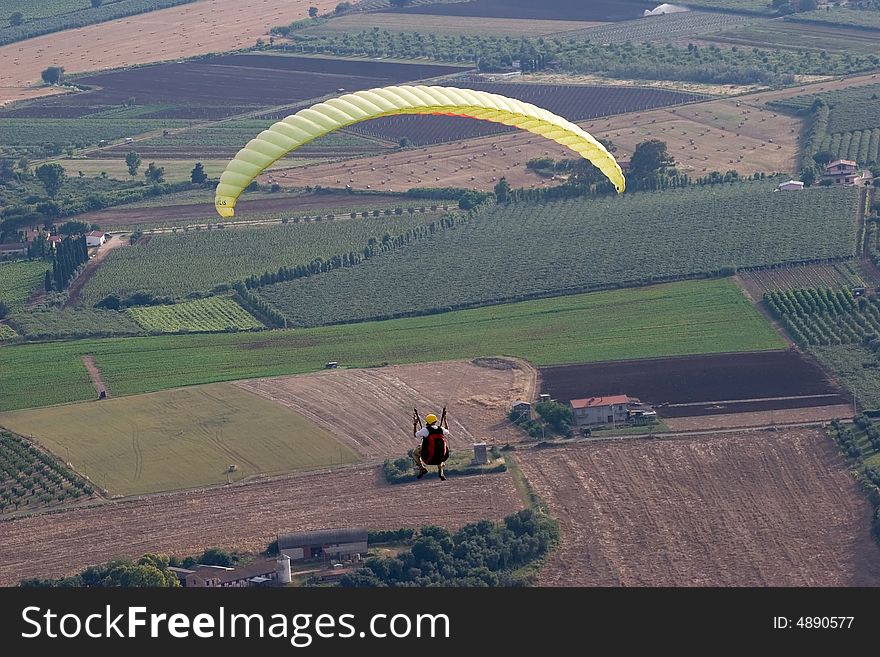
{"type": "Point", "coordinates": [596, 411]}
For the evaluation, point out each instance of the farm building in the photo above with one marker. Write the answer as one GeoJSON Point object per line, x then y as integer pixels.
{"type": "Point", "coordinates": [664, 9]}
{"type": "Point", "coordinates": [846, 173]}
{"type": "Point", "coordinates": [522, 409]}
{"type": "Point", "coordinates": [95, 238]}
{"type": "Point", "coordinates": [594, 411]}
{"type": "Point", "coordinates": [329, 542]}
{"type": "Point", "coordinates": [54, 240]}
{"type": "Point", "coordinates": [790, 186]}
{"type": "Point", "coordinates": [258, 573]}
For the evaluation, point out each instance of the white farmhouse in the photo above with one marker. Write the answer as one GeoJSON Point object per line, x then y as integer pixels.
{"type": "Point", "coordinates": [95, 238]}
{"type": "Point", "coordinates": [790, 186]}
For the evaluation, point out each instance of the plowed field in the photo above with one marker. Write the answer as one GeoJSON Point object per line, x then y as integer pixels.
{"type": "Point", "coordinates": [750, 509]}
{"type": "Point", "coordinates": [246, 517]}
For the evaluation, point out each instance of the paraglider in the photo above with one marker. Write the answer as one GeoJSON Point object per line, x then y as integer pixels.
{"type": "Point", "coordinates": [308, 124]}
{"type": "Point", "coordinates": [434, 449]}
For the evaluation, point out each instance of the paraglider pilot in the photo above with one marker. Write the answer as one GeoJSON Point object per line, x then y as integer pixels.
{"type": "Point", "coordinates": [433, 450]}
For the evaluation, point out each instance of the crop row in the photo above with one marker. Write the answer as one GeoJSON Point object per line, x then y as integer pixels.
{"type": "Point", "coordinates": [842, 274]}
{"type": "Point", "coordinates": [827, 317]}
{"type": "Point", "coordinates": [862, 146]}
{"type": "Point", "coordinates": [659, 28]}
{"type": "Point", "coordinates": [525, 250]}
{"type": "Point", "coordinates": [201, 315]}
{"type": "Point", "coordinates": [18, 280]}
{"type": "Point", "coordinates": [854, 108]}
{"type": "Point", "coordinates": [30, 478]}
{"type": "Point", "coordinates": [174, 265]}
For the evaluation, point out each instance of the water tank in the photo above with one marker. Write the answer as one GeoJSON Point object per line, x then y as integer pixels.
{"type": "Point", "coordinates": [282, 569]}
{"type": "Point", "coordinates": [481, 455]}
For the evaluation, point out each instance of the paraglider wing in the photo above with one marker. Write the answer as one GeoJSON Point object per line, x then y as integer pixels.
{"type": "Point", "coordinates": [292, 132]}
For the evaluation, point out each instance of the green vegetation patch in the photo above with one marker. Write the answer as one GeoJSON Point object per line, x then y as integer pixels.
{"type": "Point", "coordinates": [526, 250]}
{"type": "Point", "coordinates": [18, 280]}
{"type": "Point", "coordinates": [460, 463]}
{"type": "Point", "coordinates": [857, 367]}
{"type": "Point", "coordinates": [64, 324]}
{"type": "Point", "coordinates": [176, 264]}
{"type": "Point", "coordinates": [7, 333]}
{"type": "Point", "coordinates": [179, 438]}
{"type": "Point", "coordinates": [201, 315]}
{"type": "Point", "coordinates": [31, 479]}
{"type": "Point", "coordinates": [707, 316]}
{"type": "Point", "coordinates": [840, 16]}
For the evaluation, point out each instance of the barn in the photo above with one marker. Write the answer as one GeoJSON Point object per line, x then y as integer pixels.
{"type": "Point", "coordinates": [339, 543]}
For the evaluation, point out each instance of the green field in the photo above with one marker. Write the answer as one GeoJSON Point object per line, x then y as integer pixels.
{"type": "Point", "coordinates": [840, 16]}
{"type": "Point", "coordinates": [177, 264]}
{"type": "Point", "coordinates": [18, 280]}
{"type": "Point", "coordinates": [862, 146]}
{"type": "Point", "coordinates": [176, 170]}
{"type": "Point", "coordinates": [525, 250]}
{"type": "Point", "coordinates": [179, 438]}
{"type": "Point", "coordinates": [31, 479]}
{"type": "Point", "coordinates": [202, 315]}
{"type": "Point", "coordinates": [30, 9]}
{"type": "Point", "coordinates": [757, 6]}
{"type": "Point", "coordinates": [67, 323]}
{"type": "Point", "coordinates": [692, 317]}
{"type": "Point", "coordinates": [856, 367]}
{"type": "Point", "coordinates": [848, 50]}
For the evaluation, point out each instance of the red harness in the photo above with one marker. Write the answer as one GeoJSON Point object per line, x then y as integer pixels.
{"type": "Point", "coordinates": [434, 448]}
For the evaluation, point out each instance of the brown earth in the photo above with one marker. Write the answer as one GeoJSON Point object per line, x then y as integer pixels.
{"type": "Point", "coordinates": [760, 419]}
{"type": "Point", "coordinates": [370, 409]}
{"type": "Point", "coordinates": [242, 517]}
{"type": "Point", "coordinates": [184, 31]}
{"type": "Point", "coordinates": [95, 374]}
{"type": "Point", "coordinates": [749, 509]}
{"type": "Point", "coordinates": [125, 215]}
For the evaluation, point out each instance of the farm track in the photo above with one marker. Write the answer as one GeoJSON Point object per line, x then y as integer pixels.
{"type": "Point", "coordinates": [736, 509]}
{"type": "Point", "coordinates": [95, 374]}
{"type": "Point", "coordinates": [118, 241]}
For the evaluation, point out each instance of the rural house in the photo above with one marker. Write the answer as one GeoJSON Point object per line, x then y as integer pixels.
{"type": "Point", "coordinates": [95, 238]}
{"type": "Point", "coordinates": [16, 248]}
{"type": "Point", "coordinates": [337, 543]}
{"type": "Point", "coordinates": [790, 186]}
{"type": "Point", "coordinates": [594, 411]}
{"type": "Point", "coordinates": [254, 574]}
{"type": "Point", "coordinates": [54, 240]}
{"type": "Point", "coordinates": [846, 172]}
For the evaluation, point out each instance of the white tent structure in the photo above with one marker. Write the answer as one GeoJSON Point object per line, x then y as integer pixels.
{"type": "Point", "coordinates": [665, 9]}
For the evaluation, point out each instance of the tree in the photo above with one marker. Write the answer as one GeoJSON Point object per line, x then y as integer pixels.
{"type": "Point", "coordinates": [558, 416]}
{"type": "Point", "coordinates": [198, 175]}
{"type": "Point", "coordinates": [4, 310]}
{"type": "Point", "coordinates": [823, 157]}
{"type": "Point", "coordinates": [154, 174]}
{"type": "Point", "coordinates": [47, 282]}
{"type": "Point", "coordinates": [808, 176]}
{"type": "Point", "coordinates": [52, 177]}
{"type": "Point", "coordinates": [313, 12]}
{"type": "Point", "coordinates": [341, 7]}
{"type": "Point", "coordinates": [16, 19]}
{"type": "Point", "coordinates": [649, 158]}
{"type": "Point", "coordinates": [405, 142]}
{"type": "Point", "coordinates": [96, 3]}
{"type": "Point", "coordinates": [502, 191]}
{"type": "Point", "coordinates": [53, 75]}
{"type": "Point", "coordinates": [133, 162]}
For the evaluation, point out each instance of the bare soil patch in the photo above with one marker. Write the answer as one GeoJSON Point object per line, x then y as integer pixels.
{"type": "Point", "coordinates": [750, 509]}
{"type": "Point", "coordinates": [760, 418]}
{"type": "Point", "coordinates": [243, 517]}
{"type": "Point", "coordinates": [95, 374]}
{"type": "Point", "coordinates": [370, 409]}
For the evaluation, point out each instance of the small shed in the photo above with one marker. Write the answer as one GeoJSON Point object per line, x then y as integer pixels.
{"type": "Point", "coordinates": [328, 542]}
{"type": "Point", "coordinates": [790, 186]}
{"type": "Point", "coordinates": [481, 453]}
{"type": "Point", "coordinates": [522, 409]}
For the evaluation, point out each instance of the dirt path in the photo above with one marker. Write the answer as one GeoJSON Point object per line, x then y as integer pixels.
{"type": "Point", "coordinates": [94, 374]}
{"type": "Point", "coordinates": [115, 242]}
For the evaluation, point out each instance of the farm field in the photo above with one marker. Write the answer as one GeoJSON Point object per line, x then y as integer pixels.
{"type": "Point", "coordinates": [826, 317]}
{"type": "Point", "coordinates": [402, 22]}
{"type": "Point", "coordinates": [31, 10]}
{"type": "Point", "coordinates": [840, 275]}
{"type": "Point", "coordinates": [176, 170]}
{"type": "Point", "coordinates": [776, 417]}
{"type": "Point", "coordinates": [668, 28]}
{"type": "Point", "coordinates": [862, 146]}
{"type": "Point", "coordinates": [681, 233]}
{"type": "Point", "coordinates": [176, 264]}
{"type": "Point", "coordinates": [715, 384]}
{"type": "Point", "coordinates": [202, 315]}
{"type": "Point", "coordinates": [72, 323]}
{"type": "Point", "coordinates": [839, 16]}
{"type": "Point", "coordinates": [32, 480]}
{"type": "Point", "coordinates": [659, 321]}
{"type": "Point", "coordinates": [188, 90]}
{"type": "Point", "coordinates": [163, 35]}
{"type": "Point", "coordinates": [801, 36]}
{"type": "Point", "coordinates": [856, 367]}
{"type": "Point", "coordinates": [7, 333]}
{"type": "Point", "coordinates": [370, 409]}
{"type": "Point", "coordinates": [852, 109]}
{"type": "Point", "coordinates": [702, 137]}
{"type": "Point", "coordinates": [254, 514]}
{"type": "Point", "coordinates": [748, 509]}
{"type": "Point", "coordinates": [18, 280]}
{"type": "Point", "coordinates": [574, 102]}
{"type": "Point", "coordinates": [200, 207]}
{"type": "Point", "coordinates": [598, 10]}
{"type": "Point", "coordinates": [179, 438]}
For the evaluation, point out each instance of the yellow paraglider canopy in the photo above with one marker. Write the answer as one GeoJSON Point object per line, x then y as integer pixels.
{"type": "Point", "coordinates": [308, 124]}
